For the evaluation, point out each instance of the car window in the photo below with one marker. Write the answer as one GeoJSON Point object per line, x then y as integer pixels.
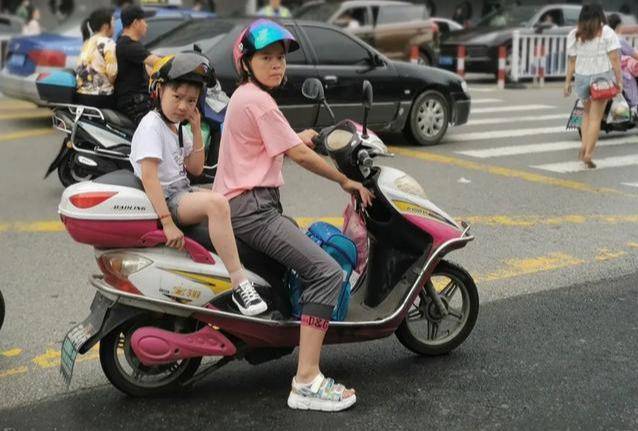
{"type": "Point", "coordinates": [335, 48]}
{"type": "Point", "coordinates": [552, 17]}
{"type": "Point", "coordinates": [298, 56]}
{"type": "Point", "coordinates": [158, 27]}
{"type": "Point", "coordinates": [317, 12]}
{"type": "Point", "coordinates": [511, 16]}
{"type": "Point", "coordinates": [444, 27]}
{"type": "Point", "coordinates": [353, 18]}
{"type": "Point", "coordinates": [570, 16]}
{"type": "Point", "coordinates": [401, 13]}
{"type": "Point", "coordinates": [200, 32]}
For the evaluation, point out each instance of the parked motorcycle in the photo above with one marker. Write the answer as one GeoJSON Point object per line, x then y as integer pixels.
{"type": "Point", "coordinates": [98, 141]}
{"type": "Point", "coordinates": [158, 311]}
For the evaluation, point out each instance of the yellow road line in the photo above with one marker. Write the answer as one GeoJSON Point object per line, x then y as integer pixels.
{"type": "Point", "coordinates": [26, 134]}
{"type": "Point", "coordinates": [606, 254]}
{"type": "Point", "coordinates": [43, 113]}
{"type": "Point", "coordinates": [13, 371]}
{"type": "Point", "coordinates": [11, 353]}
{"type": "Point", "coordinates": [518, 267]}
{"type": "Point", "coordinates": [632, 244]}
{"type": "Point", "coordinates": [16, 104]}
{"type": "Point", "coordinates": [505, 172]}
{"type": "Point", "coordinates": [51, 358]}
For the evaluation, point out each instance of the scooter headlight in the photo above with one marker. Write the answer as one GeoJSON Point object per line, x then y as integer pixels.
{"type": "Point", "coordinates": [409, 185]}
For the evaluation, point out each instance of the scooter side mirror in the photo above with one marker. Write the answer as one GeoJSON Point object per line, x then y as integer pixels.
{"type": "Point", "coordinates": [313, 89]}
{"type": "Point", "coordinates": [367, 105]}
{"type": "Point", "coordinates": [367, 94]}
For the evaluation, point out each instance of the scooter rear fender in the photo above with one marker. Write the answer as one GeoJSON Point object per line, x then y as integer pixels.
{"type": "Point", "coordinates": [105, 316]}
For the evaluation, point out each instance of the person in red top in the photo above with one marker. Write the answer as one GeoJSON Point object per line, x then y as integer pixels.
{"type": "Point", "coordinates": [255, 139]}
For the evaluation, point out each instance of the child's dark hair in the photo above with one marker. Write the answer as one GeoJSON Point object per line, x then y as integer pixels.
{"type": "Point", "coordinates": [614, 21]}
{"type": "Point", "coordinates": [95, 21]}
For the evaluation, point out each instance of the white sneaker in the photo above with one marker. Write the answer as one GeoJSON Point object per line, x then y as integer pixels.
{"type": "Point", "coordinates": [321, 394]}
{"type": "Point", "coordinates": [248, 300]}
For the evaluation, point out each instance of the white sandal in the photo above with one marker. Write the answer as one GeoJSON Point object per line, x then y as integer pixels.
{"type": "Point", "coordinates": [321, 394]}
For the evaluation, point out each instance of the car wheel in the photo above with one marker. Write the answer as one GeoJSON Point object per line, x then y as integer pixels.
{"type": "Point", "coordinates": [423, 59]}
{"type": "Point", "coordinates": [429, 118]}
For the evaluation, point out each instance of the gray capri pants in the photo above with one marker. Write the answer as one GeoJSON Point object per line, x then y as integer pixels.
{"type": "Point", "coordinates": [257, 220]}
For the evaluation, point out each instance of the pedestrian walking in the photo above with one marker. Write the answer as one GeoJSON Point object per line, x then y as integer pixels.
{"type": "Point", "coordinates": [593, 50]}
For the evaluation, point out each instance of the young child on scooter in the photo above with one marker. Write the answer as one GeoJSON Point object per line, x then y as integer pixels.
{"type": "Point", "coordinates": [255, 138]}
{"type": "Point", "coordinates": [161, 154]}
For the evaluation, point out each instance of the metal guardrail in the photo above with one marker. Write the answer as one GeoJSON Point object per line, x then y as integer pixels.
{"type": "Point", "coordinates": [537, 55]}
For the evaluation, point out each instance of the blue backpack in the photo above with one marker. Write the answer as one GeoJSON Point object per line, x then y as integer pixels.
{"type": "Point", "coordinates": [344, 251]}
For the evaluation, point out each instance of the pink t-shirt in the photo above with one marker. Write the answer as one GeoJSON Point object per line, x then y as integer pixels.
{"type": "Point", "coordinates": [254, 139]}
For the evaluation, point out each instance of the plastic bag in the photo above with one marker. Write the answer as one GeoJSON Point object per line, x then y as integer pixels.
{"type": "Point", "coordinates": [575, 120]}
{"type": "Point", "coordinates": [619, 111]}
{"type": "Point", "coordinates": [354, 228]}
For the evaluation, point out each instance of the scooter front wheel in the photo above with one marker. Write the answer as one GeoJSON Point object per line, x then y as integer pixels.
{"type": "Point", "coordinates": [125, 371]}
{"type": "Point", "coordinates": [427, 331]}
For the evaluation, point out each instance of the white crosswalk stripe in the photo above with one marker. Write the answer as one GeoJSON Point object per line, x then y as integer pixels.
{"type": "Point", "coordinates": [485, 101]}
{"type": "Point", "coordinates": [517, 108]}
{"type": "Point", "coordinates": [630, 184]}
{"type": "Point", "coordinates": [530, 118]}
{"type": "Point", "coordinates": [577, 166]}
{"type": "Point", "coordinates": [542, 148]}
{"type": "Point", "coordinates": [498, 134]}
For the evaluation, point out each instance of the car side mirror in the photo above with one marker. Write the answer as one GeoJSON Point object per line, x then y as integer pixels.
{"type": "Point", "coordinates": [367, 105]}
{"type": "Point", "coordinates": [375, 60]}
{"type": "Point", "coordinates": [313, 89]}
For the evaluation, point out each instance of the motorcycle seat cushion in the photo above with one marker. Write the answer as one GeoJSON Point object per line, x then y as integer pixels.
{"type": "Point", "coordinates": [118, 119]}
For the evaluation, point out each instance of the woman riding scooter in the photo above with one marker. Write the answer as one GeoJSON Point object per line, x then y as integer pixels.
{"type": "Point", "coordinates": [255, 138]}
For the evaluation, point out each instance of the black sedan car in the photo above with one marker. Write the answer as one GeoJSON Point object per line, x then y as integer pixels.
{"type": "Point", "coordinates": [419, 101]}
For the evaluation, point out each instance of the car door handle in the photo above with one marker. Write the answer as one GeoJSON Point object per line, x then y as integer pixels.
{"type": "Point", "coordinates": [330, 79]}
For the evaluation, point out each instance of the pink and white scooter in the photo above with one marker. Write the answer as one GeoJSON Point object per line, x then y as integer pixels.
{"type": "Point", "coordinates": [158, 311]}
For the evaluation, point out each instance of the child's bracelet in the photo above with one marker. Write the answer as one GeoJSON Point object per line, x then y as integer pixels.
{"type": "Point", "coordinates": [167, 215]}
{"type": "Point", "coordinates": [199, 149]}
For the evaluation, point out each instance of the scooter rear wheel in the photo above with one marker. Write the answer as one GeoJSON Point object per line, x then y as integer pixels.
{"type": "Point", "coordinates": [125, 371]}
{"type": "Point", "coordinates": [69, 173]}
{"type": "Point", "coordinates": [424, 330]}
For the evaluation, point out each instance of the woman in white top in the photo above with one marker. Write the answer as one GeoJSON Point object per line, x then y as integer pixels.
{"type": "Point", "coordinates": [593, 51]}
{"type": "Point", "coordinates": [32, 23]}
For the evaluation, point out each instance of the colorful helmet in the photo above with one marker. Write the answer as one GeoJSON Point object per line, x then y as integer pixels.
{"type": "Point", "coordinates": [185, 66]}
{"type": "Point", "coordinates": [258, 35]}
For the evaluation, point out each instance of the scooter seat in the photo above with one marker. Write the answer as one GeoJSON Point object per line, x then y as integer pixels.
{"type": "Point", "coordinates": [118, 119]}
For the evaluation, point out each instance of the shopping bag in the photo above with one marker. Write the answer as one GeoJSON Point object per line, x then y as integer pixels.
{"type": "Point", "coordinates": [619, 111]}
{"type": "Point", "coordinates": [576, 118]}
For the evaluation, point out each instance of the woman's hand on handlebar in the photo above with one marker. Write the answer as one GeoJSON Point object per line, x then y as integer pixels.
{"type": "Point", "coordinates": [354, 187]}
{"type": "Point", "coordinates": [306, 137]}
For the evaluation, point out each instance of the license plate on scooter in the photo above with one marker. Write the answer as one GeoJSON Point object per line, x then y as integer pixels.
{"type": "Point", "coordinates": [80, 334]}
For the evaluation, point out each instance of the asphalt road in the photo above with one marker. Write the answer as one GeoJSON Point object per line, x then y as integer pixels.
{"type": "Point", "coordinates": [555, 260]}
